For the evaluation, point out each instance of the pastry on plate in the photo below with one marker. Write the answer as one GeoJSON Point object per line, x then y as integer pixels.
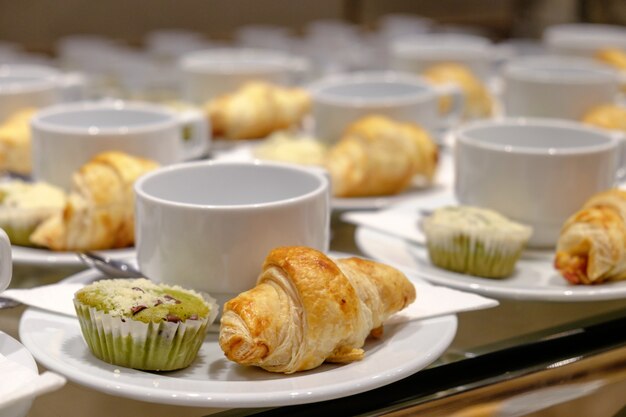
{"type": "Point", "coordinates": [379, 156]}
{"type": "Point", "coordinates": [614, 57]}
{"type": "Point", "coordinates": [307, 308]}
{"type": "Point", "coordinates": [474, 241]}
{"type": "Point", "coordinates": [25, 205]}
{"type": "Point", "coordinates": [15, 142]}
{"type": "Point", "coordinates": [139, 324]}
{"type": "Point", "coordinates": [478, 101]}
{"type": "Point", "coordinates": [287, 147]}
{"type": "Point", "coordinates": [99, 213]}
{"type": "Point", "coordinates": [592, 245]}
{"type": "Point", "coordinates": [257, 109]}
{"type": "Point", "coordinates": [607, 116]}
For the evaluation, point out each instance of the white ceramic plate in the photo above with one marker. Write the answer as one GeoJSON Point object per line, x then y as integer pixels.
{"type": "Point", "coordinates": [534, 279]}
{"type": "Point", "coordinates": [43, 257]}
{"type": "Point", "coordinates": [213, 381]}
{"type": "Point", "coordinates": [13, 350]}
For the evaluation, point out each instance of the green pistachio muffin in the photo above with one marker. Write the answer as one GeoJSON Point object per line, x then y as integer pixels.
{"type": "Point", "coordinates": [474, 241]}
{"type": "Point", "coordinates": [139, 324]}
{"type": "Point", "coordinates": [25, 205]}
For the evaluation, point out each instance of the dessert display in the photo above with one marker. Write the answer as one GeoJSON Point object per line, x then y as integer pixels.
{"type": "Point", "coordinates": [286, 147]}
{"type": "Point", "coordinates": [478, 101]}
{"type": "Point", "coordinates": [608, 116]}
{"type": "Point", "coordinates": [592, 245]}
{"type": "Point", "coordinates": [25, 205]}
{"type": "Point", "coordinates": [256, 110]}
{"type": "Point", "coordinates": [378, 156]}
{"type": "Point", "coordinates": [139, 324]}
{"type": "Point", "coordinates": [474, 241]}
{"type": "Point", "coordinates": [15, 142]}
{"type": "Point", "coordinates": [99, 213]}
{"type": "Point", "coordinates": [307, 309]}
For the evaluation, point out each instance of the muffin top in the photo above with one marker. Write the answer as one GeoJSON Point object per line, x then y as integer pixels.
{"type": "Point", "coordinates": [473, 220]}
{"type": "Point", "coordinates": [143, 300]}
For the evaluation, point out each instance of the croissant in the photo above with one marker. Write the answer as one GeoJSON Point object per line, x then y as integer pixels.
{"type": "Point", "coordinates": [256, 110]}
{"type": "Point", "coordinates": [592, 245]}
{"type": "Point", "coordinates": [608, 116]}
{"type": "Point", "coordinates": [15, 142]}
{"type": "Point", "coordinates": [478, 101]}
{"type": "Point", "coordinates": [307, 309]}
{"type": "Point", "coordinates": [614, 57]}
{"type": "Point", "coordinates": [379, 156]}
{"type": "Point", "coordinates": [99, 213]}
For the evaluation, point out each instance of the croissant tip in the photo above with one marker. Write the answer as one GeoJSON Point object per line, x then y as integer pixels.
{"type": "Point", "coordinates": [243, 350]}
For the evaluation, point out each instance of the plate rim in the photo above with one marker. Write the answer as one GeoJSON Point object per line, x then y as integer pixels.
{"type": "Point", "coordinates": [23, 255]}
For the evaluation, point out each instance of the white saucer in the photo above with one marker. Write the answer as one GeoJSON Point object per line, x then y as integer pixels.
{"type": "Point", "coordinates": [44, 257]}
{"type": "Point", "coordinates": [212, 381]}
{"type": "Point", "coordinates": [13, 350]}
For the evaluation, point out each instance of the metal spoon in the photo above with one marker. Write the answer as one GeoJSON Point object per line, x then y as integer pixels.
{"type": "Point", "coordinates": [112, 268]}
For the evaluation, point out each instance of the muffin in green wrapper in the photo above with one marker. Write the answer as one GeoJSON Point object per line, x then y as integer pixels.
{"type": "Point", "coordinates": [474, 241]}
{"type": "Point", "coordinates": [139, 324]}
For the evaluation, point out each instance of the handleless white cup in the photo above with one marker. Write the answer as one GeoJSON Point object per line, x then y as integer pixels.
{"type": "Point", "coordinates": [583, 39]}
{"type": "Point", "coordinates": [556, 86]}
{"type": "Point", "coordinates": [209, 225]}
{"type": "Point", "coordinates": [535, 171]}
{"type": "Point", "coordinates": [64, 137]}
{"type": "Point", "coordinates": [6, 261]}
{"type": "Point", "coordinates": [340, 100]}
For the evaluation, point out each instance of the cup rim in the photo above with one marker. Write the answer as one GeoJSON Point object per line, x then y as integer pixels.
{"type": "Point", "coordinates": [319, 89]}
{"type": "Point", "coordinates": [317, 173]}
{"type": "Point", "coordinates": [522, 68]}
{"type": "Point", "coordinates": [462, 135]}
{"type": "Point", "coordinates": [256, 60]}
{"type": "Point", "coordinates": [38, 120]}
{"type": "Point", "coordinates": [44, 78]}
{"type": "Point", "coordinates": [441, 45]}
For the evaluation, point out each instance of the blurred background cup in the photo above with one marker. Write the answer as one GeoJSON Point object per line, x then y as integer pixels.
{"type": "Point", "coordinates": [341, 99]}
{"type": "Point", "coordinates": [556, 86]}
{"type": "Point", "coordinates": [64, 137]}
{"type": "Point", "coordinates": [193, 231]}
{"type": "Point", "coordinates": [210, 73]}
{"type": "Point", "coordinates": [6, 261]}
{"type": "Point", "coordinates": [583, 39]}
{"type": "Point", "coordinates": [535, 171]}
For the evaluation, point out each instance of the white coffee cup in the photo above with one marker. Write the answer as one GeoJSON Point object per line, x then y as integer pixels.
{"type": "Point", "coordinates": [209, 225]}
{"type": "Point", "coordinates": [341, 99]}
{"type": "Point", "coordinates": [556, 86]}
{"type": "Point", "coordinates": [209, 73]}
{"type": "Point", "coordinates": [64, 137]}
{"type": "Point", "coordinates": [6, 261]}
{"type": "Point", "coordinates": [583, 39]}
{"type": "Point", "coordinates": [534, 171]}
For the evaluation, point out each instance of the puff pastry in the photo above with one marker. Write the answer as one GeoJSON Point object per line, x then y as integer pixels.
{"type": "Point", "coordinates": [478, 101]}
{"type": "Point", "coordinates": [256, 110]}
{"type": "Point", "coordinates": [379, 156]}
{"type": "Point", "coordinates": [99, 213]}
{"type": "Point", "coordinates": [592, 246]}
{"type": "Point", "coordinates": [307, 309]}
{"type": "Point", "coordinates": [15, 142]}
{"type": "Point", "coordinates": [608, 116]}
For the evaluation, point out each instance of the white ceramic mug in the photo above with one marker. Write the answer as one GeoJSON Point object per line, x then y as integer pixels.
{"type": "Point", "coordinates": [209, 225]}
{"type": "Point", "coordinates": [534, 171]}
{"type": "Point", "coordinates": [583, 39]}
{"type": "Point", "coordinates": [6, 261]}
{"type": "Point", "coordinates": [341, 99]}
{"type": "Point", "coordinates": [209, 73]}
{"type": "Point", "coordinates": [556, 86]}
{"type": "Point", "coordinates": [64, 137]}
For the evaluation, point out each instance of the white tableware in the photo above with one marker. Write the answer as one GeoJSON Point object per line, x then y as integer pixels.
{"type": "Point", "coordinates": [67, 136]}
{"type": "Point", "coordinates": [534, 171]}
{"type": "Point", "coordinates": [341, 99]}
{"type": "Point", "coordinates": [23, 255]}
{"type": "Point", "coordinates": [213, 381]}
{"type": "Point", "coordinates": [13, 350]}
{"type": "Point", "coordinates": [556, 86]}
{"type": "Point", "coordinates": [6, 263]}
{"type": "Point", "coordinates": [416, 53]}
{"type": "Point", "coordinates": [210, 225]}
{"type": "Point", "coordinates": [583, 39]}
{"type": "Point", "coordinates": [212, 72]}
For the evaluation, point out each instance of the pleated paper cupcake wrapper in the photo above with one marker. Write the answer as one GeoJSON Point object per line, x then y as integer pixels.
{"type": "Point", "coordinates": [474, 256]}
{"type": "Point", "coordinates": [162, 346]}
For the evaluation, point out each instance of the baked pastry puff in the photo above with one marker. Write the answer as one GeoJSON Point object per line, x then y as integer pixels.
{"type": "Point", "coordinates": [592, 246]}
{"type": "Point", "coordinates": [379, 156]}
{"type": "Point", "coordinates": [478, 101]}
{"type": "Point", "coordinates": [607, 116]}
{"type": "Point", "coordinates": [307, 309]}
{"type": "Point", "coordinates": [15, 142]}
{"type": "Point", "coordinates": [99, 213]}
{"type": "Point", "coordinates": [256, 110]}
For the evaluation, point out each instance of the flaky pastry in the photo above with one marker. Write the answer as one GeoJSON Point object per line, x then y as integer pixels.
{"type": "Point", "coordinates": [15, 142]}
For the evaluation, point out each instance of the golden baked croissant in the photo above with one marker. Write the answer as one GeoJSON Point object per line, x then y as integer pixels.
{"type": "Point", "coordinates": [607, 116]}
{"type": "Point", "coordinates": [307, 309]}
{"type": "Point", "coordinates": [379, 156]}
{"type": "Point", "coordinates": [99, 213]}
{"type": "Point", "coordinates": [15, 142]}
{"type": "Point", "coordinates": [592, 246]}
{"type": "Point", "coordinates": [256, 110]}
{"type": "Point", "coordinates": [478, 101]}
{"type": "Point", "coordinates": [614, 57]}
